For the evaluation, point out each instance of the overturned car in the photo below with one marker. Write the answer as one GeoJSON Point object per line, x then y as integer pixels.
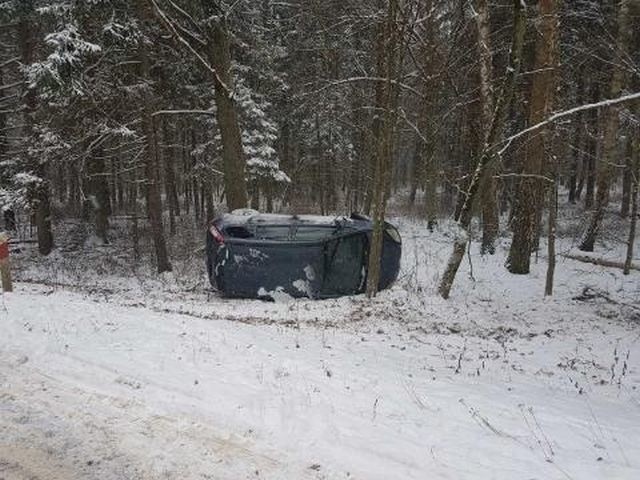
{"type": "Point", "coordinates": [254, 255]}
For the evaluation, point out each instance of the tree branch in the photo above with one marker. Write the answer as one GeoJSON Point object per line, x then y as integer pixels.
{"type": "Point", "coordinates": [566, 113]}
{"type": "Point", "coordinates": [183, 112]}
{"type": "Point", "coordinates": [167, 22]}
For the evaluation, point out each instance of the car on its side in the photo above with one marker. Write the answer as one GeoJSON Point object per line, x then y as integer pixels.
{"type": "Point", "coordinates": [257, 255]}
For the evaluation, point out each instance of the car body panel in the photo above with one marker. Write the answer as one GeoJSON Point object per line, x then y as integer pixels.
{"type": "Point", "coordinates": [266, 256]}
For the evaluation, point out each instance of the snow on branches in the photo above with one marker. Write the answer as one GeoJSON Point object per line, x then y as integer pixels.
{"type": "Point", "coordinates": [58, 70]}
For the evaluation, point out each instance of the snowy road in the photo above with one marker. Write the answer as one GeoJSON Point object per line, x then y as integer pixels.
{"type": "Point", "coordinates": [93, 390]}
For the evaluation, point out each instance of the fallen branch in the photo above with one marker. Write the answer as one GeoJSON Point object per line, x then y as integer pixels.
{"type": "Point", "coordinates": [600, 261]}
{"type": "Point", "coordinates": [589, 293]}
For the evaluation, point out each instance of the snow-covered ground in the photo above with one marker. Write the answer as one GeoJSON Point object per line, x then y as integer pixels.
{"type": "Point", "coordinates": [104, 377]}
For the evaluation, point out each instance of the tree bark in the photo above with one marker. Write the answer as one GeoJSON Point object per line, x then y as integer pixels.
{"type": "Point", "coordinates": [233, 158]}
{"type": "Point", "coordinates": [99, 194]}
{"type": "Point", "coordinates": [415, 172]}
{"type": "Point", "coordinates": [38, 193]}
{"type": "Point", "coordinates": [382, 172]}
{"type": "Point", "coordinates": [490, 216]}
{"type": "Point", "coordinates": [376, 124]}
{"type": "Point", "coordinates": [591, 142]}
{"type": "Point", "coordinates": [577, 154]}
{"type": "Point", "coordinates": [151, 157]}
{"type": "Point", "coordinates": [170, 188]}
{"type": "Point", "coordinates": [530, 194]}
{"type": "Point", "coordinates": [551, 233]}
{"type": "Point", "coordinates": [609, 140]}
{"type": "Point", "coordinates": [627, 179]}
{"type": "Point", "coordinates": [635, 186]}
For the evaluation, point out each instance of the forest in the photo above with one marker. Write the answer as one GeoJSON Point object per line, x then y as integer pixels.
{"type": "Point", "coordinates": [500, 137]}
{"type": "Point", "coordinates": [170, 112]}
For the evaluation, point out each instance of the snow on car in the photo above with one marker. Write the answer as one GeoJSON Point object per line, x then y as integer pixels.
{"type": "Point", "coordinates": [255, 255]}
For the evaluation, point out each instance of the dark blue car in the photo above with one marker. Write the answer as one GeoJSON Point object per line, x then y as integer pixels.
{"type": "Point", "coordinates": [254, 255]}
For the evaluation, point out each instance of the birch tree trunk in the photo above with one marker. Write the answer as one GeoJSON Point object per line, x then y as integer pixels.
{"type": "Point", "coordinates": [487, 155]}
{"type": "Point", "coordinates": [530, 194]}
{"type": "Point", "coordinates": [611, 123]}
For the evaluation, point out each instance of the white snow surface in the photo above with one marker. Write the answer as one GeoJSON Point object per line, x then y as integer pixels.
{"type": "Point", "coordinates": [497, 383]}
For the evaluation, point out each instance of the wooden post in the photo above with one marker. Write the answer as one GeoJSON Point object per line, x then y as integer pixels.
{"type": "Point", "coordinates": [5, 271]}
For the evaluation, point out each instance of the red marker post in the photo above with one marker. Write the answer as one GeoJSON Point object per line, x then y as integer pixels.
{"type": "Point", "coordinates": [5, 270]}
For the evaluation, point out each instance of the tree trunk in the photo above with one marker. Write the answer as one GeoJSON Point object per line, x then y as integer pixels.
{"type": "Point", "coordinates": [430, 192]}
{"type": "Point", "coordinates": [99, 193]}
{"type": "Point", "coordinates": [416, 172]}
{"type": "Point", "coordinates": [530, 194]}
{"type": "Point", "coordinates": [38, 193]}
{"type": "Point", "coordinates": [609, 140]}
{"type": "Point", "coordinates": [234, 163]}
{"type": "Point", "coordinates": [551, 234]}
{"type": "Point", "coordinates": [577, 154]}
{"type": "Point", "coordinates": [151, 158]}
{"type": "Point", "coordinates": [490, 216]}
{"type": "Point", "coordinates": [3, 121]}
{"type": "Point", "coordinates": [208, 201]}
{"type": "Point", "coordinates": [186, 170]}
{"type": "Point", "coordinates": [170, 189]}
{"type": "Point", "coordinates": [627, 179]}
{"type": "Point", "coordinates": [487, 154]}
{"type": "Point", "coordinates": [43, 219]}
{"type": "Point", "coordinates": [268, 193]}
{"type": "Point", "coordinates": [255, 195]}
{"type": "Point", "coordinates": [635, 186]}
{"type": "Point", "coordinates": [376, 124]}
{"type": "Point", "coordinates": [382, 172]}
{"type": "Point", "coordinates": [591, 142]}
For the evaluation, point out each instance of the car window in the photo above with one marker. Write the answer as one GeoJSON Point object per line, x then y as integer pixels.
{"type": "Point", "coordinates": [239, 232]}
{"type": "Point", "coordinates": [308, 233]}
{"type": "Point", "coordinates": [273, 232]}
{"type": "Point", "coordinates": [393, 233]}
{"type": "Point", "coordinates": [344, 265]}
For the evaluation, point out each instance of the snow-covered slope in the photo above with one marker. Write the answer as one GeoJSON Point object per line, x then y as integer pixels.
{"type": "Point", "coordinates": [108, 374]}
{"type": "Point", "coordinates": [94, 390]}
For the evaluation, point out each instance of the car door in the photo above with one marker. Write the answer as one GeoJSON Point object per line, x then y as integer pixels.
{"type": "Point", "coordinates": [344, 265]}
